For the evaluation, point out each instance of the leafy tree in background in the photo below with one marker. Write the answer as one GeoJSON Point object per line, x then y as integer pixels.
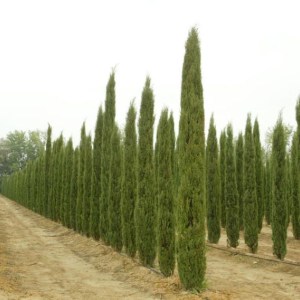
{"type": "Point", "coordinates": [191, 195]}
{"type": "Point", "coordinates": [108, 125]}
{"type": "Point", "coordinates": [231, 193]}
{"type": "Point", "coordinates": [268, 191]}
{"type": "Point", "coordinates": [279, 208]}
{"type": "Point", "coordinates": [74, 188]}
{"type": "Point", "coordinates": [250, 202]}
{"type": "Point", "coordinates": [166, 226]}
{"type": "Point", "coordinates": [129, 183]}
{"type": "Point", "coordinates": [222, 173]}
{"type": "Point", "coordinates": [213, 185]}
{"type": "Point", "coordinates": [239, 154]}
{"type": "Point", "coordinates": [145, 206]}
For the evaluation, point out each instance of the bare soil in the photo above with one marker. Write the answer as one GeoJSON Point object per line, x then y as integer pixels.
{"type": "Point", "coordinates": [40, 259]}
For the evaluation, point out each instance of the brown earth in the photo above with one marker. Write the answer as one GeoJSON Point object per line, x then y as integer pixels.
{"type": "Point", "coordinates": [40, 259]}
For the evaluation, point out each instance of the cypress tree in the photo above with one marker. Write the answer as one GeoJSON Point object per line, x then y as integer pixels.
{"type": "Point", "coordinates": [259, 175]}
{"type": "Point", "coordinates": [47, 177]}
{"type": "Point", "coordinates": [166, 226]}
{"type": "Point", "coordinates": [80, 184]}
{"type": "Point", "coordinates": [239, 154]}
{"type": "Point", "coordinates": [250, 202]}
{"type": "Point", "coordinates": [191, 195]}
{"type": "Point", "coordinates": [222, 176]}
{"type": "Point", "coordinates": [87, 187]}
{"type": "Point", "coordinates": [115, 184]}
{"type": "Point", "coordinates": [279, 208]}
{"type": "Point", "coordinates": [96, 177]}
{"type": "Point", "coordinates": [213, 185]}
{"type": "Point", "coordinates": [61, 178]}
{"type": "Point", "coordinates": [295, 188]}
{"type": "Point", "coordinates": [129, 183]}
{"type": "Point", "coordinates": [108, 125]}
{"type": "Point", "coordinates": [145, 206]}
{"type": "Point", "coordinates": [74, 188]}
{"type": "Point", "coordinates": [268, 191]}
{"type": "Point", "coordinates": [67, 184]}
{"type": "Point", "coordinates": [231, 193]}
{"type": "Point", "coordinates": [289, 188]}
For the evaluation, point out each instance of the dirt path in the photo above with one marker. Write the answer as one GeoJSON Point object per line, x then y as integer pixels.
{"type": "Point", "coordinates": [40, 259]}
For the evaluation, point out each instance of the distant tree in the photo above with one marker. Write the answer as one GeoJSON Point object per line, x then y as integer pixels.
{"type": "Point", "coordinates": [222, 176]}
{"type": "Point", "coordinates": [213, 185]}
{"type": "Point", "coordinates": [250, 202]}
{"type": "Point", "coordinates": [279, 208]}
{"type": "Point", "coordinates": [191, 195]}
{"type": "Point", "coordinates": [239, 154]}
{"type": "Point", "coordinates": [74, 188]}
{"type": "Point", "coordinates": [47, 176]}
{"type": "Point", "coordinates": [145, 206]}
{"type": "Point", "coordinates": [268, 191]}
{"type": "Point", "coordinates": [129, 183]}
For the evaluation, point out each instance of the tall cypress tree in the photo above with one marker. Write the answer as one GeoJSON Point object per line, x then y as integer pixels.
{"type": "Point", "coordinates": [96, 176]}
{"type": "Point", "coordinates": [213, 185]}
{"type": "Point", "coordinates": [59, 180]}
{"type": "Point", "coordinates": [47, 177]}
{"type": "Point", "coordinates": [191, 196]}
{"type": "Point", "coordinates": [80, 184]}
{"type": "Point", "coordinates": [74, 187]}
{"type": "Point", "coordinates": [108, 125]}
{"type": "Point", "coordinates": [259, 175]}
{"type": "Point", "coordinates": [279, 208]}
{"type": "Point", "coordinates": [166, 226]}
{"type": "Point", "coordinates": [66, 213]}
{"type": "Point", "coordinates": [239, 154]}
{"type": "Point", "coordinates": [87, 186]}
{"type": "Point", "coordinates": [231, 193]}
{"type": "Point", "coordinates": [115, 184]}
{"type": "Point", "coordinates": [129, 183]}
{"type": "Point", "coordinates": [145, 206]}
{"type": "Point", "coordinates": [222, 175]}
{"type": "Point", "coordinates": [268, 191]}
{"type": "Point", "coordinates": [250, 202]}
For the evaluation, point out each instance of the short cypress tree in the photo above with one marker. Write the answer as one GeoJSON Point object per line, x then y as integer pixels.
{"type": "Point", "coordinates": [115, 184]}
{"type": "Point", "coordinates": [239, 154]}
{"type": "Point", "coordinates": [47, 177]}
{"type": "Point", "coordinates": [191, 195]}
{"type": "Point", "coordinates": [67, 183]}
{"type": "Point", "coordinates": [96, 177]}
{"type": "Point", "coordinates": [259, 175]}
{"type": "Point", "coordinates": [80, 184]}
{"type": "Point", "coordinates": [108, 125]}
{"type": "Point", "coordinates": [231, 193]}
{"type": "Point", "coordinates": [222, 176]}
{"type": "Point", "coordinates": [87, 187]}
{"type": "Point", "coordinates": [166, 226]}
{"type": "Point", "coordinates": [129, 183]}
{"type": "Point", "coordinates": [213, 185]}
{"type": "Point", "coordinates": [250, 202]}
{"type": "Point", "coordinates": [74, 188]}
{"type": "Point", "coordinates": [279, 208]}
{"type": "Point", "coordinates": [145, 206]}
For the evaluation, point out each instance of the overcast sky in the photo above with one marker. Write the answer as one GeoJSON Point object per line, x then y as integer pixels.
{"type": "Point", "coordinates": [56, 57]}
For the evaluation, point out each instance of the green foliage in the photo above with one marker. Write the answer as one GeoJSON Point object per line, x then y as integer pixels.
{"type": "Point", "coordinates": [115, 184]}
{"type": "Point", "coordinates": [279, 207]}
{"type": "Point", "coordinates": [96, 177]}
{"type": "Point", "coordinates": [250, 202]}
{"type": "Point", "coordinates": [231, 193]}
{"type": "Point", "coordinates": [108, 125]}
{"type": "Point", "coordinates": [129, 183]}
{"type": "Point", "coordinates": [47, 176]}
{"type": "Point", "coordinates": [259, 175]}
{"type": "Point", "coordinates": [213, 185]}
{"type": "Point", "coordinates": [87, 187]}
{"type": "Point", "coordinates": [239, 154]}
{"type": "Point", "coordinates": [191, 195]}
{"type": "Point", "coordinates": [74, 188]}
{"type": "Point", "coordinates": [222, 173]}
{"type": "Point", "coordinates": [166, 226]}
{"type": "Point", "coordinates": [145, 207]}
{"type": "Point", "coordinates": [268, 191]}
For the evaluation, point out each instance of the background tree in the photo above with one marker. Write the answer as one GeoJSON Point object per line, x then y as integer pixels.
{"type": "Point", "coordinates": [191, 196]}
{"type": "Point", "coordinates": [213, 185]}
{"type": "Point", "coordinates": [145, 207]}
{"type": "Point", "coordinates": [74, 188]}
{"type": "Point", "coordinates": [268, 191]}
{"type": "Point", "coordinates": [47, 176]}
{"type": "Point", "coordinates": [239, 154]}
{"type": "Point", "coordinates": [222, 173]}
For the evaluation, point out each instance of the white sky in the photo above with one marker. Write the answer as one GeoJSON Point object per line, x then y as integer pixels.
{"type": "Point", "coordinates": [56, 57]}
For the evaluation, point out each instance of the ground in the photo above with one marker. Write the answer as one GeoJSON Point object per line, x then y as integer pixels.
{"type": "Point", "coordinates": [40, 259]}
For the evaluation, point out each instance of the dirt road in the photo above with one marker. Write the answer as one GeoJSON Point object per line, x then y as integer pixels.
{"type": "Point", "coordinates": [40, 259]}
